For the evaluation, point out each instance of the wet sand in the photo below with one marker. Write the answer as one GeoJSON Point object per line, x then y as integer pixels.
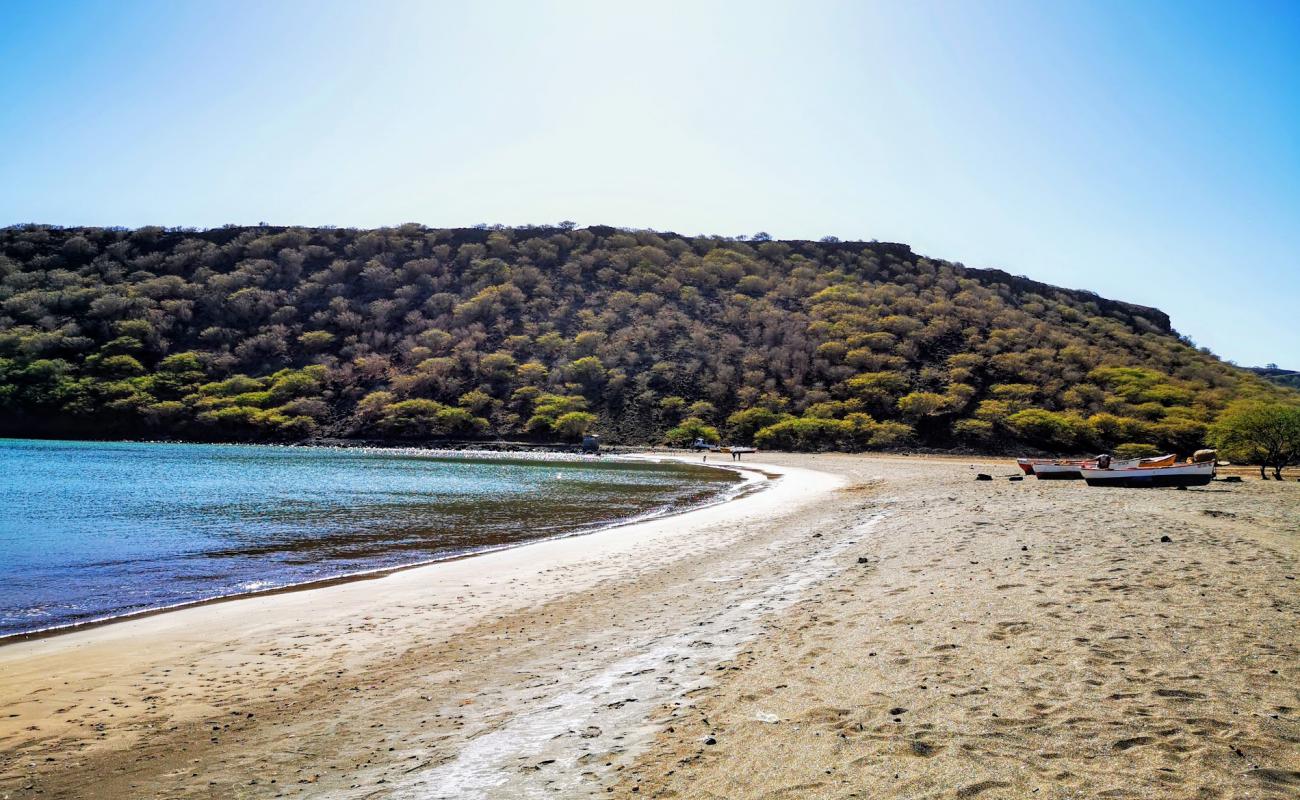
{"type": "Point", "coordinates": [871, 627]}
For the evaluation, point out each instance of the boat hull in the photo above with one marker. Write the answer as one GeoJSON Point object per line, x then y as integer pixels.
{"type": "Point", "coordinates": [1053, 468]}
{"type": "Point", "coordinates": [1151, 477]}
{"type": "Point", "coordinates": [1053, 473]}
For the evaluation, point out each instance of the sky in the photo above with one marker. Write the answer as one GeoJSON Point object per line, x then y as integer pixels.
{"type": "Point", "coordinates": [1147, 151]}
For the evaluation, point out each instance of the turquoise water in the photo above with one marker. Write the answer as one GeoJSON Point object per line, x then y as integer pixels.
{"type": "Point", "coordinates": [90, 530]}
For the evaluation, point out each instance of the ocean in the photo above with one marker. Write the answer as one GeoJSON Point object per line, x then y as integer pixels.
{"type": "Point", "coordinates": [95, 530]}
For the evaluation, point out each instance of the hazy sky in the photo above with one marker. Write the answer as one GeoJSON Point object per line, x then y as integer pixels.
{"type": "Point", "coordinates": [1149, 152]}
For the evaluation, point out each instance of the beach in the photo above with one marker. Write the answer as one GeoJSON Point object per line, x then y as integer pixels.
{"type": "Point", "coordinates": [866, 627]}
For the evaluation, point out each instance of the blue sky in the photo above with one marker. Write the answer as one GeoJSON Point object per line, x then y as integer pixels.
{"type": "Point", "coordinates": [1147, 151]}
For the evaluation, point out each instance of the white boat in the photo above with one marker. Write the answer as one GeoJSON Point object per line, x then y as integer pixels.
{"type": "Point", "coordinates": [1030, 465]}
{"type": "Point", "coordinates": [1069, 469]}
{"type": "Point", "coordinates": [1151, 461]}
{"type": "Point", "coordinates": [1061, 470]}
{"type": "Point", "coordinates": [1176, 475]}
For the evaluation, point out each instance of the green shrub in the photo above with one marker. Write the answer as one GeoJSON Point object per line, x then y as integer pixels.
{"type": "Point", "coordinates": [742, 425]}
{"type": "Point", "coordinates": [689, 430]}
{"type": "Point", "coordinates": [574, 424]}
{"type": "Point", "coordinates": [1048, 428]}
{"type": "Point", "coordinates": [976, 430]}
{"type": "Point", "coordinates": [1136, 450]}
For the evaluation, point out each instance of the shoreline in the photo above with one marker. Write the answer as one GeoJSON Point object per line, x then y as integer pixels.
{"type": "Point", "coordinates": [108, 693]}
{"type": "Point", "coordinates": [743, 489]}
{"type": "Point", "coordinates": [883, 625]}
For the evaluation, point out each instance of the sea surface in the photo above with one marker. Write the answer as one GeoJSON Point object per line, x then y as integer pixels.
{"type": "Point", "coordinates": [95, 530]}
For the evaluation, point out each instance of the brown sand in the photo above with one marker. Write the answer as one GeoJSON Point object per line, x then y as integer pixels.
{"type": "Point", "coordinates": [1020, 640]}
{"type": "Point", "coordinates": [1000, 640]}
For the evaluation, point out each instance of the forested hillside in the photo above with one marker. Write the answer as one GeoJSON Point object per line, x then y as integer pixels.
{"type": "Point", "coordinates": [415, 333]}
{"type": "Point", "coordinates": [1274, 374]}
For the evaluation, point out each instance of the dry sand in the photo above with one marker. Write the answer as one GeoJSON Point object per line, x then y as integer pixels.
{"type": "Point", "coordinates": [871, 627]}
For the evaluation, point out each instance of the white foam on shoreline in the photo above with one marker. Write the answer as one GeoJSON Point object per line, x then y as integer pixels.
{"type": "Point", "coordinates": [539, 752]}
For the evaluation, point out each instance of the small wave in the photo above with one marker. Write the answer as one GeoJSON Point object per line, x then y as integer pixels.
{"type": "Point", "coordinates": [253, 586]}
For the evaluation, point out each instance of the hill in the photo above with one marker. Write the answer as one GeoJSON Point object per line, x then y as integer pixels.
{"type": "Point", "coordinates": [269, 333]}
{"type": "Point", "coordinates": [1282, 377]}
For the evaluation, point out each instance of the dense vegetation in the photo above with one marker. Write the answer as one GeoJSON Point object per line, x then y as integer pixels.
{"type": "Point", "coordinates": [414, 333]}
{"type": "Point", "coordinates": [1267, 434]}
{"type": "Point", "coordinates": [1282, 377]}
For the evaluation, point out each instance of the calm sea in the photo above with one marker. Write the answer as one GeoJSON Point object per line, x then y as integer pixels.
{"type": "Point", "coordinates": [90, 530]}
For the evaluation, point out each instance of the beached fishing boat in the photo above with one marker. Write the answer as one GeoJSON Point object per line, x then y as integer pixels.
{"type": "Point", "coordinates": [1056, 469]}
{"type": "Point", "coordinates": [1196, 474]}
{"type": "Point", "coordinates": [1030, 465]}
{"type": "Point", "coordinates": [1061, 470]}
{"type": "Point", "coordinates": [1152, 461]}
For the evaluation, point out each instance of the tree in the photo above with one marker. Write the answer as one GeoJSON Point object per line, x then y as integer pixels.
{"type": "Point", "coordinates": [549, 408]}
{"type": "Point", "coordinates": [742, 425]}
{"type": "Point", "coordinates": [476, 401]}
{"type": "Point", "coordinates": [692, 428]}
{"type": "Point", "coordinates": [976, 430]}
{"type": "Point", "coordinates": [1047, 428]}
{"type": "Point", "coordinates": [588, 371]}
{"type": "Point", "coordinates": [916, 405]}
{"type": "Point", "coordinates": [574, 424]}
{"type": "Point", "coordinates": [806, 433]}
{"type": "Point", "coordinates": [1267, 434]}
{"type": "Point", "coordinates": [1135, 450]}
{"type": "Point", "coordinates": [891, 434]}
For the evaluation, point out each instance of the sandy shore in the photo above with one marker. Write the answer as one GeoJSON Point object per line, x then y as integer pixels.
{"type": "Point", "coordinates": [869, 627]}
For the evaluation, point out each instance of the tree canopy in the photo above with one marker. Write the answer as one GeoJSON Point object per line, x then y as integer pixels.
{"type": "Point", "coordinates": [1267, 434]}
{"type": "Point", "coordinates": [272, 333]}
